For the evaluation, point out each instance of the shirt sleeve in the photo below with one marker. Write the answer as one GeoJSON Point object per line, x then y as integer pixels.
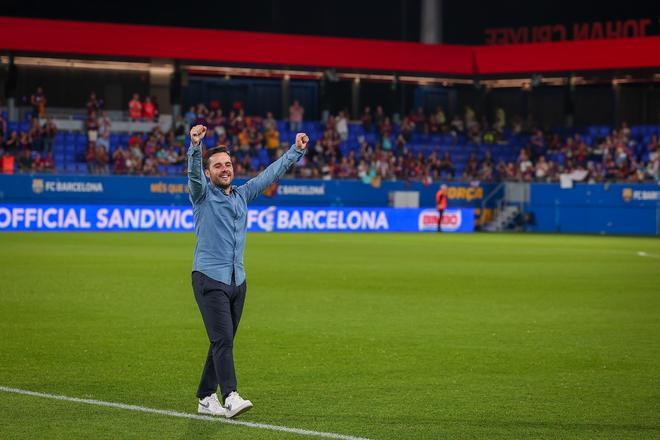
{"type": "Point", "coordinates": [197, 184]}
{"type": "Point", "coordinates": [275, 170]}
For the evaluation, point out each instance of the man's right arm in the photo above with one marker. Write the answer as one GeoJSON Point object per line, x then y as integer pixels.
{"type": "Point", "coordinates": [197, 185]}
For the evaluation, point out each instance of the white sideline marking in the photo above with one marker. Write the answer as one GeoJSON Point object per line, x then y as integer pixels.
{"type": "Point", "coordinates": [645, 254]}
{"type": "Point", "coordinates": [170, 413]}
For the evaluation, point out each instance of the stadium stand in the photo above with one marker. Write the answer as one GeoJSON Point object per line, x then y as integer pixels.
{"type": "Point", "coordinates": [418, 147]}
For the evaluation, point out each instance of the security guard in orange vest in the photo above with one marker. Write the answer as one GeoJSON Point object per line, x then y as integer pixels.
{"type": "Point", "coordinates": [441, 203]}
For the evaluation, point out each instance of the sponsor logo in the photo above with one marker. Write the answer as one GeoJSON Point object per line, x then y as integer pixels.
{"type": "Point", "coordinates": [271, 191]}
{"type": "Point", "coordinates": [37, 186]}
{"type": "Point", "coordinates": [428, 220]}
{"type": "Point", "coordinates": [294, 190]}
{"type": "Point", "coordinates": [627, 194]}
{"type": "Point", "coordinates": [258, 219]}
{"type": "Point", "coordinates": [271, 219]}
{"type": "Point", "coordinates": [168, 188]}
{"type": "Point", "coordinates": [465, 193]}
{"type": "Point", "coordinates": [40, 185]}
{"type": "Point", "coordinates": [645, 195]}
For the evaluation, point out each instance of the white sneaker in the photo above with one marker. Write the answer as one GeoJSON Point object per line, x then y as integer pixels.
{"type": "Point", "coordinates": [235, 405]}
{"type": "Point", "coordinates": [211, 405]}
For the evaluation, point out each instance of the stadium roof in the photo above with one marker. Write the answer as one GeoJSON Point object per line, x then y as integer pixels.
{"type": "Point", "coordinates": [26, 35]}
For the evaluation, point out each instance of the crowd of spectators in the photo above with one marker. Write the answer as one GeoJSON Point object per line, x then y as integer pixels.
{"type": "Point", "coordinates": [384, 149]}
{"type": "Point", "coordinates": [542, 157]}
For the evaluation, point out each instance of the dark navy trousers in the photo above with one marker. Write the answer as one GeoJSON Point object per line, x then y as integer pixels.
{"type": "Point", "coordinates": [221, 306]}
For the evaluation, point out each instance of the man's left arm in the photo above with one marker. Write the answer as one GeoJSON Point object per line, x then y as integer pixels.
{"type": "Point", "coordinates": [277, 169]}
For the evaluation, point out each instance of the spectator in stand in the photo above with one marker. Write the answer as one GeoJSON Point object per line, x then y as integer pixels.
{"type": "Point", "coordinates": [48, 163]}
{"type": "Point", "coordinates": [150, 146]}
{"type": "Point", "coordinates": [341, 125]}
{"type": "Point", "coordinates": [105, 124]}
{"type": "Point", "coordinates": [92, 125]}
{"type": "Point", "coordinates": [255, 138]}
{"type": "Point", "coordinates": [93, 104]}
{"type": "Point", "coordinates": [330, 141]}
{"type": "Point", "coordinates": [135, 108]}
{"type": "Point", "coordinates": [37, 163]}
{"type": "Point", "coordinates": [3, 127]}
{"type": "Point", "coordinates": [12, 144]}
{"type": "Point", "coordinates": [104, 141]}
{"type": "Point", "coordinates": [441, 119]}
{"type": "Point", "coordinates": [102, 159]}
{"type": "Point", "coordinates": [175, 155]}
{"type": "Point", "coordinates": [541, 169]}
{"type": "Point", "coordinates": [486, 171]}
{"type": "Point", "coordinates": [25, 161]}
{"type": "Point", "coordinates": [162, 156]}
{"type": "Point", "coordinates": [272, 142]}
{"type": "Point", "coordinates": [36, 134]}
{"type": "Point", "coordinates": [119, 161]}
{"type": "Point", "coordinates": [471, 171]}
{"type": "Point", "coordinates": [190, 117]}
{"type": "Point", "coordinates": [470, 119]}
{"type": "Point", "coordinates": [137, 155]}
{"type": "Point", "coordinates": [500, 120]}
{"type": "Point", "coordinates": [379, 116]}
{"type": "Point", "coordinates": [457, 126]}
{"type": "Point", "coordinates": [269, 122]}
{"type": "Point", "coordinates": [49, 131]}
{"type": "Point", "coordinates": [202, 114]}
{"type": "Point", "coordinates": [148, 110]}
{"type": "Point", "coordinates": [243, 140]}
{"type": "Point", "coordinates": [447, 166]}
{"type": "Point", "coordinates": [24, 141]}
{"type": "Point", "coordinates": [434, 126]}
{"type": "Point", "coordinates": [90, 158]}
{"type": "Point", "coordinates": [526, 168]}
{"type": "Point", "coordinates": [150, 167]}
{"type": "Point", "coordinates": [367, 120]}
{"type": "Point", "coordinates": [296, 114]}
{"type": "Point", "coordinates": [420, 121]}
{"type": "Point", "coordinates": [386, 127]}
{"type": "Point", "coordinates": [38, 101]}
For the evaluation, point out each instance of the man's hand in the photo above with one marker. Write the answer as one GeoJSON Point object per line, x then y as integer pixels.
{"type": "Point", "coordinates": [197, 133]}
{"type": "Point", "coordinates": [301, 141]}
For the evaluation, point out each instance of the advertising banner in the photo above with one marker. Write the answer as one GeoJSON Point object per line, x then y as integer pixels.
{"type": "Point", "coordinates": [15, 217]}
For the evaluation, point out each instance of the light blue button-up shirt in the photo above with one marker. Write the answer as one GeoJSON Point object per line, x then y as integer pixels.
{"type": "Point", "coordinates": [221, 218]}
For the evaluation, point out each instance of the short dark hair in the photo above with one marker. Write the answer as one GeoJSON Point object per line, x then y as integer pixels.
{"type": "Point", "coordinates": [215, 150]}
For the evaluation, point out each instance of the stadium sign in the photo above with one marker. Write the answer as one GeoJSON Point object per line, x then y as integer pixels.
{"type": "Point", "coordinates": [452, 220]}
{"type": "Point", "coordinates": [259, 219]}
{"type": "Point", "coordinates": [40, 186]}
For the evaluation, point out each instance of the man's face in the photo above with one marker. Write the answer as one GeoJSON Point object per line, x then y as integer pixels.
{"type": "Point", "coordinates": [220, 170]}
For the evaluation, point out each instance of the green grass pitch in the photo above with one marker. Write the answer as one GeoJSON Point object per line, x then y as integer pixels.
{"type": "Point", "coordinates": [386, 336]}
